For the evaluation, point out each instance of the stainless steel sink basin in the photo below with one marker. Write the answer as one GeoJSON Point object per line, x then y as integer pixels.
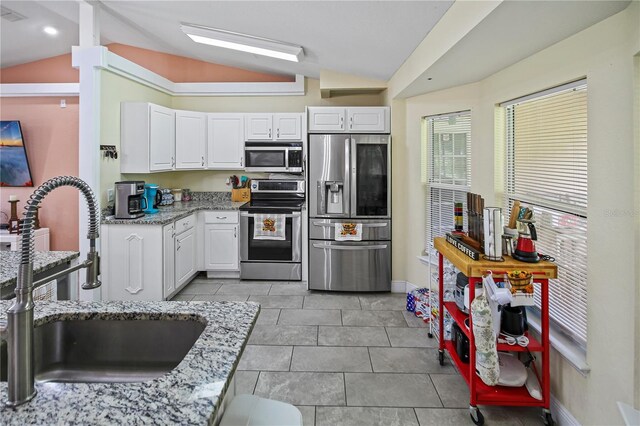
{"type": "Point", "coordinates": [108, 351]}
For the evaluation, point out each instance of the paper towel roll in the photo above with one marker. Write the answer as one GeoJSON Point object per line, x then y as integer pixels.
{"type": "Point", "coordinates": [493, 233]}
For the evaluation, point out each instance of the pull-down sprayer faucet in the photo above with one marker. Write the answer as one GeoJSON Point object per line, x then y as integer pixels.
{"type": "Point", "coordinates": [19, 328]}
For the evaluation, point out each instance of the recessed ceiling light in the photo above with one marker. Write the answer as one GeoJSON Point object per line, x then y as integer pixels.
{"type": "Point", "coordinates": [50, 31]}
{"type": "Point", "coordinates": [243, 42]}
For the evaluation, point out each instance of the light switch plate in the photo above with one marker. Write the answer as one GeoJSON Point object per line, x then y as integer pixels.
{"type": "Point", "coordinates": [109, 195]}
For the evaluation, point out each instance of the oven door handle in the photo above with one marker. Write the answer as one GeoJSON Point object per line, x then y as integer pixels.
{"type": "Point", "coordinates": [292, 215]}
{"type": "Point", "coordinates": [351, 247]}
{"type": "Point", "coordinates": [364, 225]}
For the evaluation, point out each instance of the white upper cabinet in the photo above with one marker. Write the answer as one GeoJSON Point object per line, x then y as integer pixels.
{"type": "Point", "coordinates": [191, 140]}
{"type": "Point", "coordinates": [274, 127]}
{"type": "Point", "coordinates": [370, 120]}
{"type": "Point", "coordinates": [349, 119]}
{"type": "Point", "coordinates": [162, 138]}
{"type": "Point", "coordinates": [259, 127]}
{"type": "Point", "coordinates": [225, 141]}
{"type": "Point", "coordinates": [147, 138]}
{"type": "Point", "coordinates": [326, 119]}
{"type": "Point", "coordinates": [288, 127]}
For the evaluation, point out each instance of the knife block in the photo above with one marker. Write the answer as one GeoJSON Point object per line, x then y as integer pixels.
{"type": "Point", "coordinates": [241, 194]}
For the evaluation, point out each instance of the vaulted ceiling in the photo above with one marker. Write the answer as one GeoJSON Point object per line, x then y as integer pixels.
{"type": "Point", "coordinates": [370, 39]}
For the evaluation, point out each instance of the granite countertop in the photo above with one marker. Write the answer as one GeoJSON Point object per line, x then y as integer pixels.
{"type": "Point", "coordinates": [42, 261]}
{"type": "Point", "coordinates": [191, 394]}
{"type": "Point", "coordinates": [176, 211]}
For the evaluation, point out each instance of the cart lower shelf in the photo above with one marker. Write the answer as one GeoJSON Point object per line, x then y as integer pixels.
{"type": "Point", "coordinates": [493, 395]}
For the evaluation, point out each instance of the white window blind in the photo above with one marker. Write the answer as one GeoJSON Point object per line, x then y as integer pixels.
{"type": "Point", "coordinates": [547, 171]}
{"type": "Point", "coordinates": [448, 171]}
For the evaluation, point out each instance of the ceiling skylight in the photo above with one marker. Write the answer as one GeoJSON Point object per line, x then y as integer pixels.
{"type": "Point", "coordinates": [243, 42]}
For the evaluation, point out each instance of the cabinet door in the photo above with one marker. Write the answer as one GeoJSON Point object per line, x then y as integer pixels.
{"type": "Point", "coordinates": [168, 261]}
{"type": "Point", "coordinates": [185, 256]}
{"type": "Point", "coordinates": [131, 259]}
{"type": "Point", "coordinates": [288, 127]}
{"type": "Point", "coordinates": [221, 247]}
{"type": "Point", "coordinates": [367, 120]}
{"type": "Point", "coordinates": [259, 127]}
{"type": "Point", "coordinates": [225, 142]}
{"type": "Point", "coordinates": [191, 140]}
{"type": "Point", "coordinates": [162, 138]}
{"type": "Point", "coordinates": [323, 119]}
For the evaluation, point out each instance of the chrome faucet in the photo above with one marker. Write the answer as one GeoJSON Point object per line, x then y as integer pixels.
{"type": "Point", "coordinates": [19, 328]}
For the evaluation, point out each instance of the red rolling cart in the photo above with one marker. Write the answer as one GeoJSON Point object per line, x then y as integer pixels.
{"type": "Point", "coordinates": [479, 393]}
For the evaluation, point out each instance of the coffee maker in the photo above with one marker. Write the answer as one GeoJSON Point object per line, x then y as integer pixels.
{"type": "Point", "coordinates": [130, 202]}
{"type": "Point", "coordinates": [526, 248]}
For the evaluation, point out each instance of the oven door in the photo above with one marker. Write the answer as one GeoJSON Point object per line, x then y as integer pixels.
{"type": "Point", "coordinates": [258, 250]}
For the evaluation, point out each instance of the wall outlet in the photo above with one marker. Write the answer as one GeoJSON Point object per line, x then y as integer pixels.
{"type": "Point", "coordinates": [109, 195]}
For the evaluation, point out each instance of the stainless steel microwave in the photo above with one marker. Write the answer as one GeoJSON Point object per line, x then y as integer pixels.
{"type": "Point", "coordinates": [273, 157]}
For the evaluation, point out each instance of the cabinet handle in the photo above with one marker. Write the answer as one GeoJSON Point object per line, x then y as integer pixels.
{"type": "Point", "coordinates": [235, 235]}
{"type": "Point", "coordinates": [350, 123]}
{"type": "Point", "coordinates": [269, 133]}
{"type": "Point", "coordinates": [178, 248]}
{"type": "Point", "coordinates": [173, 162]}
{"type": "Point", "coordinates": [221, 217]}
{"type": "Point", "coordinates": [203, 161]}
{"type": "Point", "coordinates": [341, 122]}
{"type": "Point", "coordinates": [278, 133]}
{"type": "Point", "coordinates": [241, 161]}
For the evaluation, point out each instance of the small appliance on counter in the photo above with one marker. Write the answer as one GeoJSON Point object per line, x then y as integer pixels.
{"type": "Point", "coordinates": [130, 201]}
{"type": "Point", "coordinates": [526, 248]}
{"type": "Point", "coordinates": [153, 198]}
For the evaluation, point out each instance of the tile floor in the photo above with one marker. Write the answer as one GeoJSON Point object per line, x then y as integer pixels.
{"type": "Point", "coordinates": [347, 359]}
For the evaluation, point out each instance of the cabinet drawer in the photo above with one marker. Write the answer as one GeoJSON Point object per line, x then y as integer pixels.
{"type": "Point", "coordinates": [220, 217]}
{"type": "Point", "coordinates": [185, 224]}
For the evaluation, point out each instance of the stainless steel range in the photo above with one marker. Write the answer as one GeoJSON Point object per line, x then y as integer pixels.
{"type": "Point", "coordinates": [274, 203]}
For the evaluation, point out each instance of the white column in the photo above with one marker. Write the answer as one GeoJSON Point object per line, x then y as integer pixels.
{"type": "Point", "coordinates": [89, 119]}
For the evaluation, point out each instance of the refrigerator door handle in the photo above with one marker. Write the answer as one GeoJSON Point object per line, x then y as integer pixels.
{"type": "Point", "coordinates": [353, 173]}
{"type": "Point", "coordinates": [347, 190]}
{"type": "Point", "coordinates": [334, 247]}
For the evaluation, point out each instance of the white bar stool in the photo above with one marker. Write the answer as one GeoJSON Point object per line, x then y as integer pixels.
{"type": "Point", "coordinates": [251, 410]}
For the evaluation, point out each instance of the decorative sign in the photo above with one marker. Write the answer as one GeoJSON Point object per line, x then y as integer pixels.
{"type": "Point", "coordinates": [466, 249]}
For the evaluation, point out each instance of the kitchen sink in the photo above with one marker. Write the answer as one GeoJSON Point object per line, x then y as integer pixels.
{"type": "Point", "coordinates": [108, 351]}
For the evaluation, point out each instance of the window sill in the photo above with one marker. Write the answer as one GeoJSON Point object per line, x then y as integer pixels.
{"type": "Point", "coordinates": [574, 354]}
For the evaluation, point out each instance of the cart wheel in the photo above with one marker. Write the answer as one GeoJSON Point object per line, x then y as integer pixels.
{"type": "Point", "coordinates": [548, 420]}
{"type": "Point", "coordinates": [441, 357]}
{"type": "Point", "coordinates": [476, 416]}
{"type": "Point", "coordinates": [430, 335]}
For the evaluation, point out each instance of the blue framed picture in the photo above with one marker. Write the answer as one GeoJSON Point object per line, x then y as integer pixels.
{"type": "Point", "coordinates": [14, 164]}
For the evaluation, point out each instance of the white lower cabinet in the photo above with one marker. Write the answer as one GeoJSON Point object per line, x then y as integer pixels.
{"type": "Point", "coordinates": [185, 256]}
{"type": "Point", "coordinates": [168, 260]}
{"type": "Point", "coordinates": [153, 262]}
{"type": "Point", "coordinates": [221, 241]}
{"type": "Point", "coordinates": [132, 262]}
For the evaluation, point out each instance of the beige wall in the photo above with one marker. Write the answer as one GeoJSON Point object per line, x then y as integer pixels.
{"type": "Point", "coordinates": [116, 89]}
{"type": "Point", "coordinates": [604, 53]}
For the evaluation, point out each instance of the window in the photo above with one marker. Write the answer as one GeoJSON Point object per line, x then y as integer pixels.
{"type": "Point", "coordinates": [546, 169]}
{"type": "Point", "coordinates": [448, 170]}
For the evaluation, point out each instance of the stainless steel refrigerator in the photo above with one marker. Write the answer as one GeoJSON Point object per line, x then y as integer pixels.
{"type": "Point", "coordinates": [349, 183]}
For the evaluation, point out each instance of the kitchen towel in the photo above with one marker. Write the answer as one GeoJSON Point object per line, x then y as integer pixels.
{"type": "Point", "coordinates": [348, 232]}
{"type": "Point", "coordinates": [269, 226]}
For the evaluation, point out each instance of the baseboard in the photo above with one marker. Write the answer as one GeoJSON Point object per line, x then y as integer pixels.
{"type": "Point", "coordinates": [561, 415]}
{"type": "Point", "coordinates": [400, 286]}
